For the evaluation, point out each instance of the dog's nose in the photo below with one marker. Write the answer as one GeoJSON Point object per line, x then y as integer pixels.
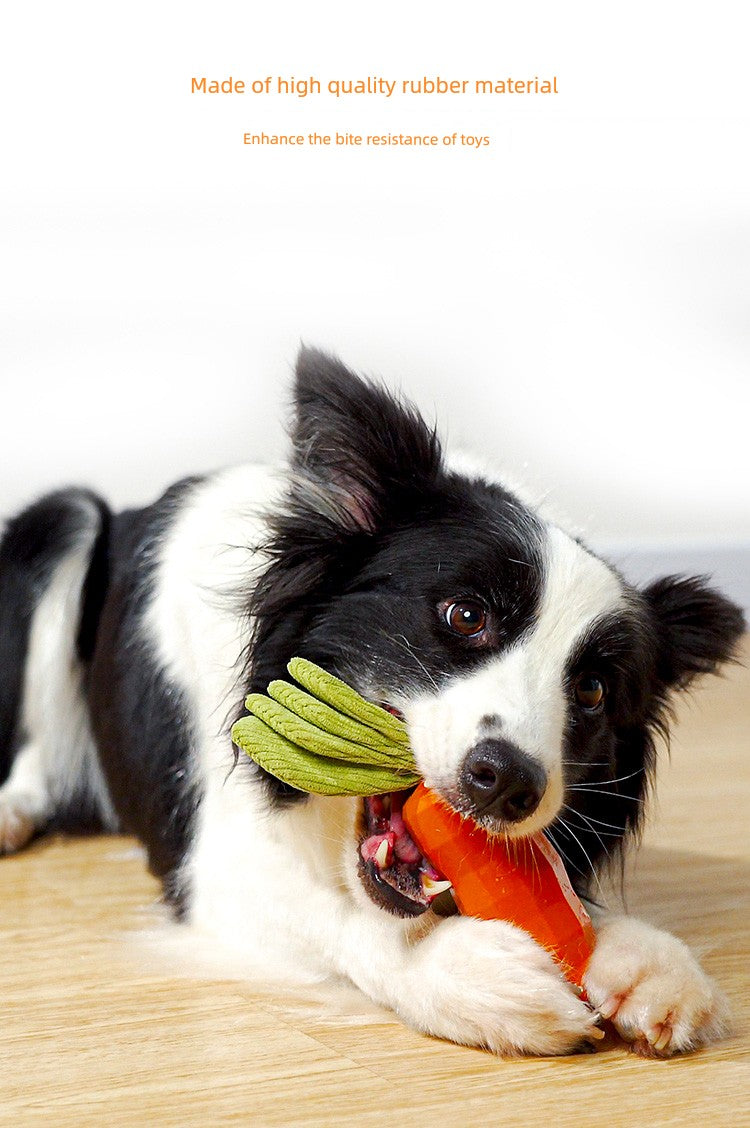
{"type": "Point", "coordinates": [502, 781]}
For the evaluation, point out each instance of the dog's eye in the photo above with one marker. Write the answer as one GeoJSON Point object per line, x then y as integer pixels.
{"type": "Point", "coordinates": [467, 618]}
{"type": "Point", "coordinates": [590, 691]}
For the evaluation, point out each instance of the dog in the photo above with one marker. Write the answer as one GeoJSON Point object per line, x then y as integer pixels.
{"type": "Point", "coordinates": [535, 683]}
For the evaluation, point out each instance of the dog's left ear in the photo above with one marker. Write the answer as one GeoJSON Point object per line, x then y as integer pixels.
{"type": "Point", "coordinates": [697, 628]}
{"type": "Point", "coordinates": [363, 456]}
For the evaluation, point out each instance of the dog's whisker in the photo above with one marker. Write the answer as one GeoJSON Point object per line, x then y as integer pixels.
{"type": "Point", "coordinates": [572, 833]}
{"type": "Point", "coordinates": [568, 861]}
{"type": "Point", "coordinates": [535, 861]}
{"type": "Point", "coordinates": [608, 782]}
{"type": "Point", "coordinates": [591, 819]}
{"type": "Point", "coordinates": [407, 646]}
{"type": "Point", "coordinates": [611, 794]}
{"type": "Point", "coordinates": [585, 763]}
{"type": "Point", "coordinates": [589, 828]}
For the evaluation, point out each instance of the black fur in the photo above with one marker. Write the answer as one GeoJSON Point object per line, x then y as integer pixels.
{"type": "Point", "coordinates": [610, 755]}
{"type": "Point", "coordinates": [141, 722]}
{"type": "Point", "coordinates": [95, 587]}
{"type": "Point", "coordinates": [370, 510]}
{"type": "Point", "coordinates": [677, 629]}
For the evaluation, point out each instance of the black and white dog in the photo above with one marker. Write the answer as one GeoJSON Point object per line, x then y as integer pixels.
{"type": "Point", "coordinates": [532, 677]}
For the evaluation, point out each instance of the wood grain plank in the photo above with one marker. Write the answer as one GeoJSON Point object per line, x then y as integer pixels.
{"type": "Point", "coordinates": [91, 1035]}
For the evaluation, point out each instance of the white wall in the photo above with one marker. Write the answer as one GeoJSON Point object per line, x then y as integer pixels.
{"type": "Point", "coordinates": [572, 299]}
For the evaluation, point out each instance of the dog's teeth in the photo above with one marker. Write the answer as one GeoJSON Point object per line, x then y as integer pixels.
{"type": "Point", "coordinates": [431, 888]}
{"type": "Point", "coordinates": [382, 856]}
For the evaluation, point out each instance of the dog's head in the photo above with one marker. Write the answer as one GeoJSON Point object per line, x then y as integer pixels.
{"type": "Point", "coordinates": [532, 677]}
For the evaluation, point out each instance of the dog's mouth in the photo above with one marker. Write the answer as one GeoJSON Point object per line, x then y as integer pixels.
{"type": "Point", "coordinates": [393, 870]}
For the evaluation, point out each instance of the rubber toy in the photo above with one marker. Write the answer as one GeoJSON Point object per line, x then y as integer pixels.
{"type": "Point", "coordinates": [521, 880]}
{"type": "Point", "coordinates": [331, 741]}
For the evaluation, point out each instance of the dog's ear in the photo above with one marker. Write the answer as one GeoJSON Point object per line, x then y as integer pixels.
{"type": "Point", "coordinates": [697, 628]}
{"type": "Point", "coordinates": [363, 455]}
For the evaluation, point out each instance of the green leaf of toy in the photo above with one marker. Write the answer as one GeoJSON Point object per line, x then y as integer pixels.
{"type": "Point", "coordinates": [346, 700]}
{"type": "Point", "coordinates": [331, 721]}
{"type": "Point", "coordinates": [324, 743]}
{"type": "Point", "coordinates": [309, 772]}
{"type": "Point", "coordinates": [333, 743]}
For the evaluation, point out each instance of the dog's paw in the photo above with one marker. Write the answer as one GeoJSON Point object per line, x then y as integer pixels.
{"type": "Point", "coordinates": [17, 826]}
{"type": "Point", "coordinates": [486, 983]}
{"type": "Point", "coordinates": [651, 987]}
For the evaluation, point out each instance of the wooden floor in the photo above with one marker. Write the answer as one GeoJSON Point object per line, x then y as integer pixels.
{"type": "Point", "coordinates": [94, 1034]}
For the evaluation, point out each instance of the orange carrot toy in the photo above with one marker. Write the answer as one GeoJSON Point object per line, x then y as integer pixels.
{"type": "Point", "coordinates": [521, 880]}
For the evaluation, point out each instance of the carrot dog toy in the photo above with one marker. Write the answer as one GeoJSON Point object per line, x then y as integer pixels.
{"type": "Point", "coordinates": [331, 741]}
{"type": "Point", "coordinates": [521, 880]}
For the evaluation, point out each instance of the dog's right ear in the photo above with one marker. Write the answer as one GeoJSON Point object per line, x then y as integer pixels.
{"type": "Point", "coordinates": [361, 456]}
{"type": "Point", "coordinates": [697, 628]}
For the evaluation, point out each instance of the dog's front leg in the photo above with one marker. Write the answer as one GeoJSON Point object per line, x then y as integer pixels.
{"type": "Point", "coordinates": [480, 983]}
{"type": "Point", "coordinates": [651, 987]}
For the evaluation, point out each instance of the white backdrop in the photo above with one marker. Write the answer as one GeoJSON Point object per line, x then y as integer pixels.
{"type": "Point", "coordinates": [572, 299]}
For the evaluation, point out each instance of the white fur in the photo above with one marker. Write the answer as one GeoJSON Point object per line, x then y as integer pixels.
{"type": "Point", "coordinates": [58, 759]}
{"type": "Point", "coordinates": [524, 686]}
{"type": "Point", "coordinates": [652, 988]}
